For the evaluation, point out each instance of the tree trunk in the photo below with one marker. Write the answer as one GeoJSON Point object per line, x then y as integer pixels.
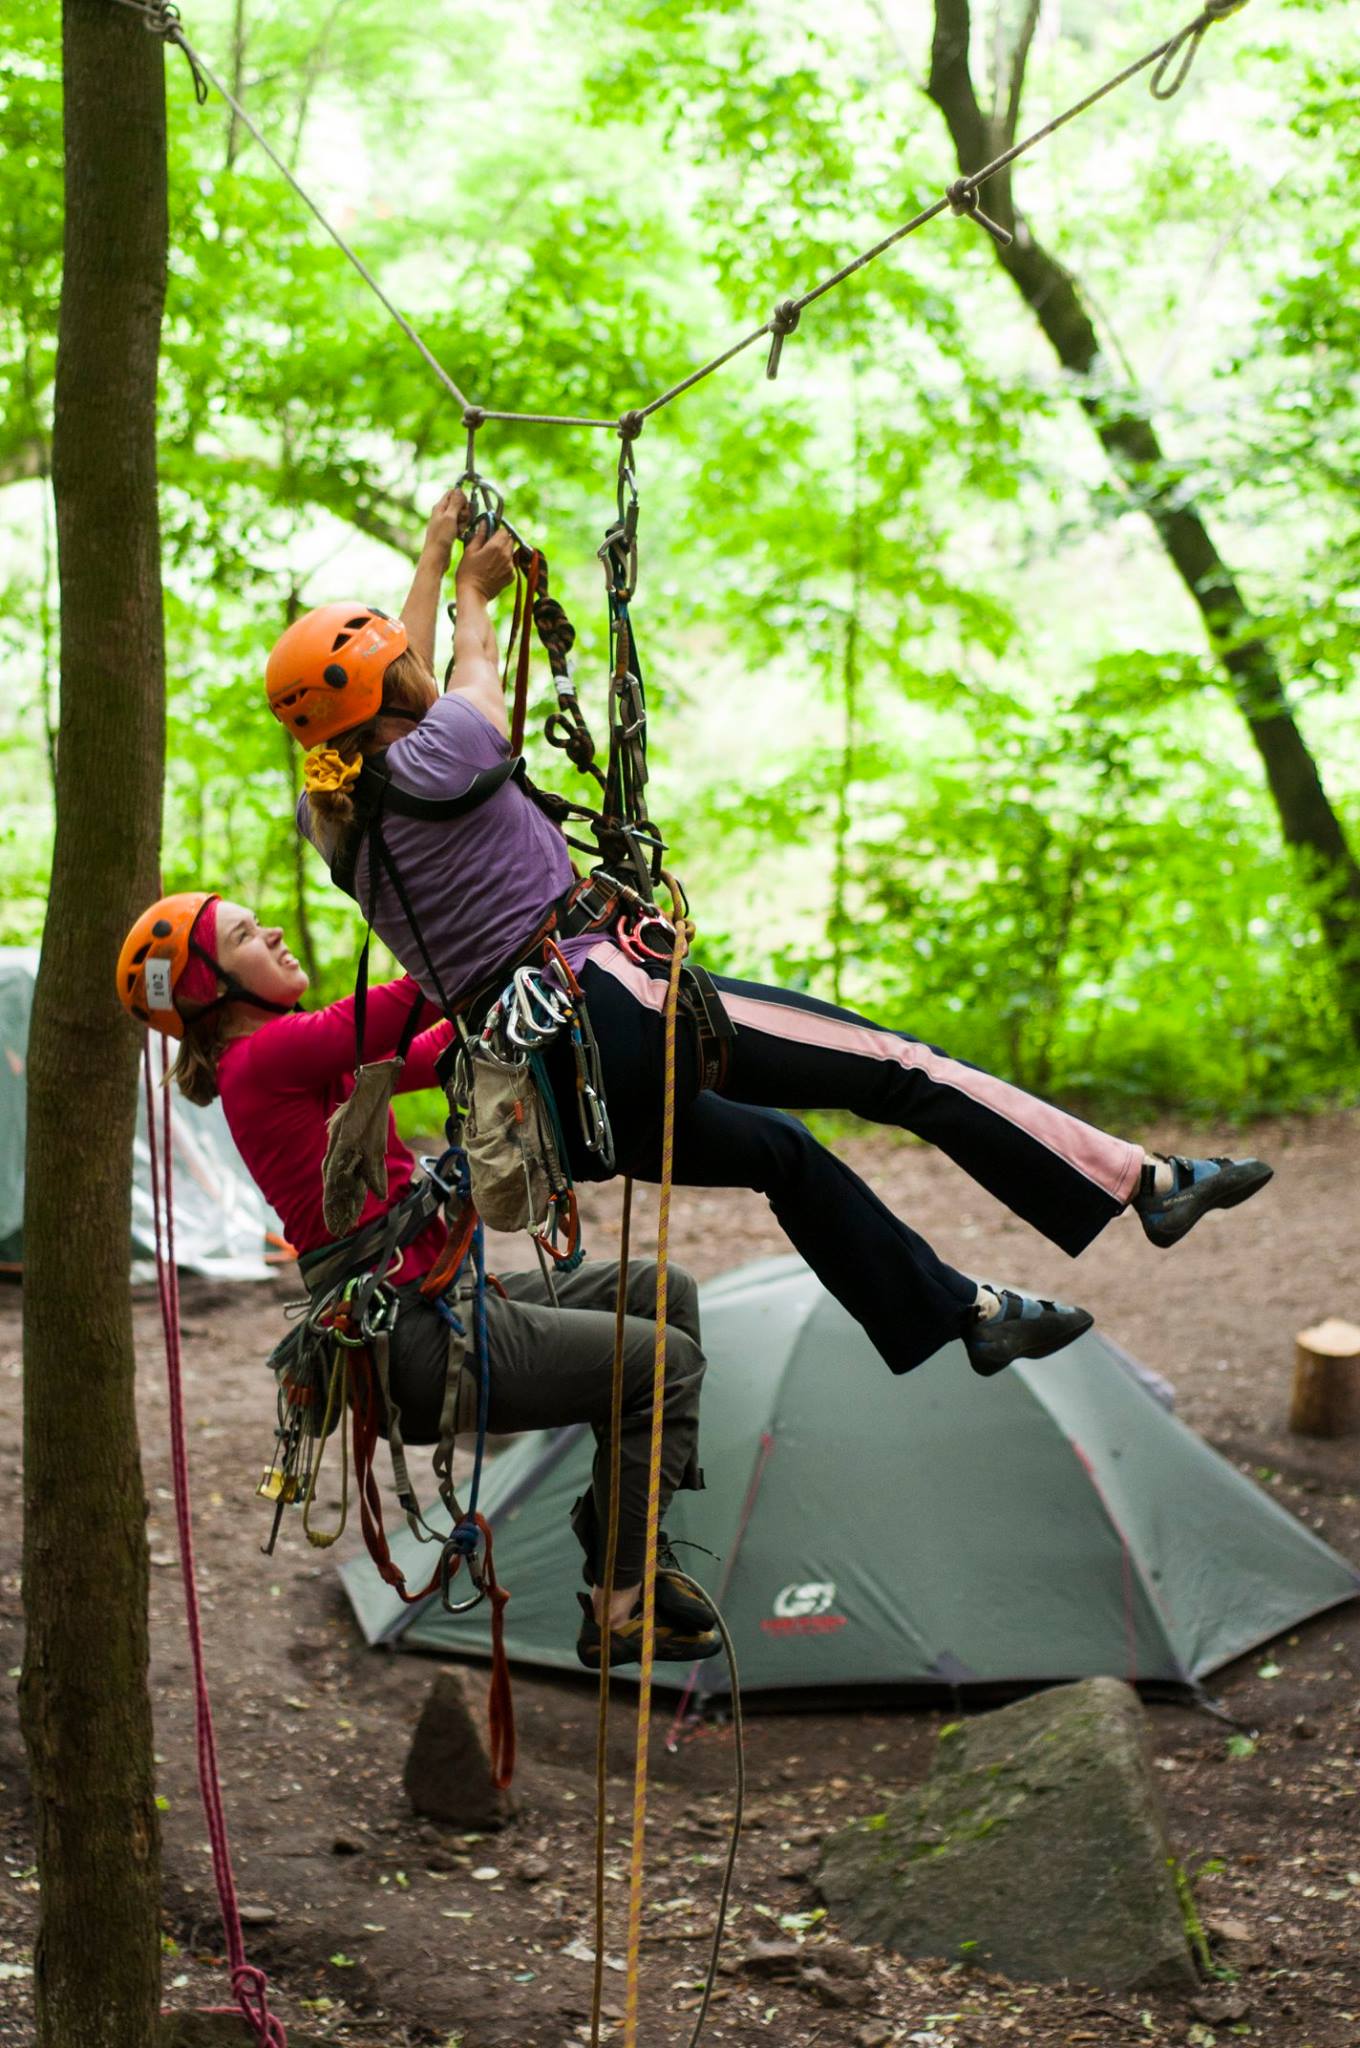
{"type": "Point", "coordinates": [83, 1694]}
{"type": "Point", "coordinates": [1309, 823]}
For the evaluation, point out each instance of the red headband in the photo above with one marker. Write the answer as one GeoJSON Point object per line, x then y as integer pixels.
{"type": "Point", "coordinates": [197, 985]}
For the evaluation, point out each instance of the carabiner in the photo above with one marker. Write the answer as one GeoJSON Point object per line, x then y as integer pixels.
{"type": "Point", "coordinates": [486, 503]}
{"type": "Point", "coordinates": [450, 1558]}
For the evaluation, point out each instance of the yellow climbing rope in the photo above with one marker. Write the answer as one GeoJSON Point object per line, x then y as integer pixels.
{"type": "Point", "coordinates": [611, 1554]}
{"type": "Point", "coordinates": [684, 932]}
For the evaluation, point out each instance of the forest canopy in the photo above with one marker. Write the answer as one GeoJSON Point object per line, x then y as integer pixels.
{"type": "Point", "coordinates": [939, 725]}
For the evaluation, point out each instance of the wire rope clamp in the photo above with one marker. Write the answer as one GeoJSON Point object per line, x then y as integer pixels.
{"type": "Point", "coordinates": [783, 321]}
{"type": "Point", "coordinates": [963, 200]}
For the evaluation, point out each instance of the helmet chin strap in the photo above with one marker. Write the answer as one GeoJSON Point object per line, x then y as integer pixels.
{"type": "Point", "coordinates": [235, 992]}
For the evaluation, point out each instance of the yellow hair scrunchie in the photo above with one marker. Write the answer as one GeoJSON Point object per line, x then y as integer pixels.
{"type": "Point", "coordinates": [324, 771]}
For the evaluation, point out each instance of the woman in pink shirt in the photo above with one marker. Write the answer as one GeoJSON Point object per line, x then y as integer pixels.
{"type": "Point", "coordinates": [207, 973]}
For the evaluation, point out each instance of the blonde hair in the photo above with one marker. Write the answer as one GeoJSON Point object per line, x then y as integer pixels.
{"type": "Point", "coordinates": [407, 683]}
{"type": "Point", "coordinates": [195, 1068]}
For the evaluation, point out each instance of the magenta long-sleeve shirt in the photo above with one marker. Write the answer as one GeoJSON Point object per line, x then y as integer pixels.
{"type": "Point", "coordinates": [280, 1085]}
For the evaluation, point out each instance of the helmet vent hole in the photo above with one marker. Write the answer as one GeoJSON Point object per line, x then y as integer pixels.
{"type": "Point", "coordinates": [356, 625]}
{"type": "Point", "coordinates": [339, 641]}
{"type": "Point", "coordinates": [161, 929]}
{"type": "Point", "coordinates": [140, 955]}
{"type": "Point", "coordinates": [334, 675]}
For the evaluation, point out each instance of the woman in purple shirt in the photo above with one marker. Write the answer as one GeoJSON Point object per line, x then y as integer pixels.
{"type": "Point", "coordinates": [464, 900]}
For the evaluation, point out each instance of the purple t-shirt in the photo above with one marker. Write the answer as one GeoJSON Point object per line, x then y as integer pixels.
{"type": "Point", "coordinates": [480, 885]}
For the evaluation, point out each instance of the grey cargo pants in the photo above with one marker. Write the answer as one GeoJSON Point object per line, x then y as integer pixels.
{"type": "Point", "coordinates": [551, 1366]}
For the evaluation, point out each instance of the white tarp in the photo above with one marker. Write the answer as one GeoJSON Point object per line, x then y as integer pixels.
{"type": "Point", "coordinates": [222, 1222]}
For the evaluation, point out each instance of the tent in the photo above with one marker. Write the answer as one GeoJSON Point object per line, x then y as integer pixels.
{"type": "Point", "coordinates": [222, 1222]}
{"type": "Point", "coordinates": [940, 1530]}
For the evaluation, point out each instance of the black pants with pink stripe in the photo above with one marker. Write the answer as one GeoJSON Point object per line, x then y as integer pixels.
{"type": "Point", "coordinates": [793, 1052]}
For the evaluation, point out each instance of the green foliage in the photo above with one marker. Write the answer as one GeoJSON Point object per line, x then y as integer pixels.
{"type": "Point", "coordinates": [936, 729]}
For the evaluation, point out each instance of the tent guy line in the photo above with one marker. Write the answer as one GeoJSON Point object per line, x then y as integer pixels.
{"type": "Point", "coordinates": [1172, 59]}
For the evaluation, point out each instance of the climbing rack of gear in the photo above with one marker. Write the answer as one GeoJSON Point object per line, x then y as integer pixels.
{"type": "Point", "coordinates": [538, 1002]}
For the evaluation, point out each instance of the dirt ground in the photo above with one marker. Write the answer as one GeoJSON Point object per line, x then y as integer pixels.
{"type": "Point", "coordinates": [378, 1928]}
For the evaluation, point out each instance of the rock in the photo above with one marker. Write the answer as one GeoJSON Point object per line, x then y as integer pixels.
{"type": "Point", "coordinates": [448, 1771]}
{"type": "Point", "coordinates": [839, 1958]}
{"type": "Point", "coordinates": [532, 1870]}
{"type": "Point", "coordinates": [218, 2030]}
{"type": "Point", "coordinates": [773, 1959]}
{"type": "Point", "coordinates": [838, 1993]}
{"type": "Point", "coordinates": [257, 1916]}
{"type": "Point", "coordinates": [1036, 1847]}
{"type": "Point", "coordinates": [874, 2034]}
{"type": "Point", "coordinates": [1220, 2009]}
{"type": "Point", "coordinates": [1229, 1931]}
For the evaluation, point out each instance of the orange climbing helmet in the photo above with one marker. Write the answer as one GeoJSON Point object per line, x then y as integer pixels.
{"type": "Point", "coordinates": [325, 674]}
{"type": "Point", "coordinates": [156, 954]}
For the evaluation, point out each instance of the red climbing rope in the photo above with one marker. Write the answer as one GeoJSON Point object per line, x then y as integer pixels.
{"type": "Point", "coordinates": [250, 1986]}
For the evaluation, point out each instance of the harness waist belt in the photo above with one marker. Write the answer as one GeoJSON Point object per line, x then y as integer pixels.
{"type": "Point", "coordinates": [319, 1270]}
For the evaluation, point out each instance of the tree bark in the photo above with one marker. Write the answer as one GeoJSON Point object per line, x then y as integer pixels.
{"type": "Point", "coordinates": [1308, 821]}
{"type": "Point", "coordinates": [84, 1699]}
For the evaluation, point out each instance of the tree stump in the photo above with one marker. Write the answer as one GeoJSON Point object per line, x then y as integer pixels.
{"type": "Point", "coordinates": [1327, 1380]}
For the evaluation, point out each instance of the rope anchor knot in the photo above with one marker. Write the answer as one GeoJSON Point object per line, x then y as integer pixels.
{"type": "Point", "coordinates": [783, 320]}
{"type": "Point", "coordinates": [963, 200]}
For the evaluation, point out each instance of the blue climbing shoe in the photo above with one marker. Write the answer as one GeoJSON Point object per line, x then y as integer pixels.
{"type": "Point", "coordinates": [1200, 1185]}
{"type": "Point", "coordinates": [1026, 1328]}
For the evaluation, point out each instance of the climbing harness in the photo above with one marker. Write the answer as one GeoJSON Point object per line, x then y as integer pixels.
{"type": "Point", "coordinates": [336, 1364]}
{"type": "Point", "coordinates": [1170, 63]}
{"type": "Point", "coordinates": [249, 1985]}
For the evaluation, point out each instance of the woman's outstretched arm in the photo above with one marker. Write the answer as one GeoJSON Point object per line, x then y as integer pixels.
{"type": "Point", "coordinates": [420, 613]}
{"type": "Point", "coordinates": [487, 565]}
